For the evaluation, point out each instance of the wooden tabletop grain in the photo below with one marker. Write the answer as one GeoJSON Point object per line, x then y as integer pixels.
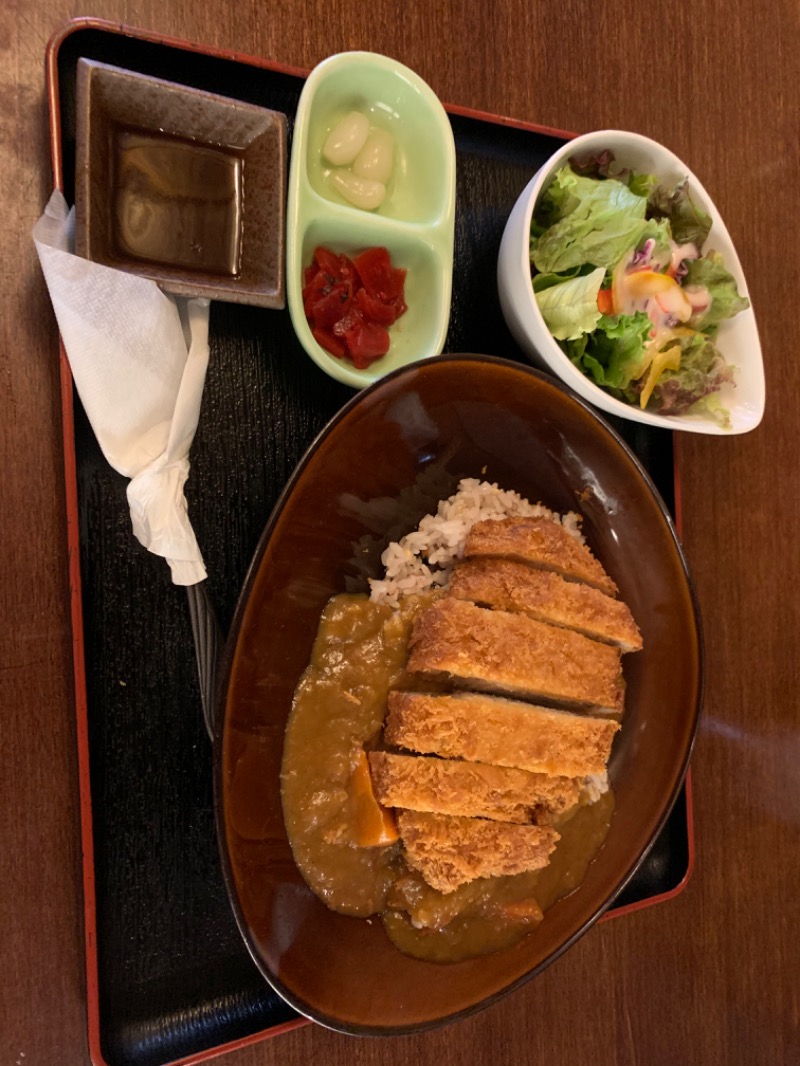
{"type": "Point", "coordinates": [710, 977]}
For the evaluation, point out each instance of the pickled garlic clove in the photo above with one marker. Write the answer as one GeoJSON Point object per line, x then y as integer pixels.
{"type": "Point", "coordinates": [376, 158]}
{"type": "Point", "coordinates": [360, 192]}
{"type": "Point", "coordinates": [346, 139]}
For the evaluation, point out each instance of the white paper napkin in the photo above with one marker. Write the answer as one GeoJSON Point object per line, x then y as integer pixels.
{"type": "Point", "coordinates": [138, 358]}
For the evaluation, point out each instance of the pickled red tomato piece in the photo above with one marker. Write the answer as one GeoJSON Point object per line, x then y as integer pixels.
{"type": "Point", "coordinates": [339, 266]}
{"type": "Point", "coordinates": [333, 345]}
{"type": "Point", "coordinates": [348, 310]}
{"type": "Point", "coordinates": [330, 282]}
{"type": "Point", "coordinates": [367, 341]}
{"type": "Point", "coordinates": [379, 277]}
{"type": "Point", "coordinates": [328, 309]}
{"type": "Point", "coordinates": [348, 321]}
{"type": "Point", "coordinates": [385, 314]}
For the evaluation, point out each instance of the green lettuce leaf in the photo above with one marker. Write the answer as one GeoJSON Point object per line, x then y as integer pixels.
{"type": "Point", "coordinates": [546, 281]}
{"type": "Point", "coordinates": [612, 355]}
{"type": "Point", "coordinates": [702, 373]}
{"type": "Point", "coordinates": [570, 308]}
{"type": "Point", "coordinates": [604, 165]}
{"type": "Point", "coordinates": [660, 231]}
{"type": "Point", "coordinates": [593, 221]}
{"type": "Point", "coordinates": [598, 165]}
{"type": "Point", "coordinates": [642, 184]}
{"type": "Point", "coordinates": [726, 302]}
{"type": "Point", "coordinates": [557, 200]}
{"type": "Point", "coordinates": [688, 221]}
{"type": "Point", "coordinates": [713, 405]}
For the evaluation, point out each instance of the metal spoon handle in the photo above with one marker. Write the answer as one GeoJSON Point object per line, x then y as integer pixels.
{"type": "Point", "coordinates": [208, 645]}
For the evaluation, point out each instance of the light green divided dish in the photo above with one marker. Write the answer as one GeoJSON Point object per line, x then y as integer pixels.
{"type": "Point", "coordinates": [415, 222]}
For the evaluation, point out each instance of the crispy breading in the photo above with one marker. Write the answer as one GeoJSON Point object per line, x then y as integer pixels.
{"type": "Point", "coordinates": [546, 596]}
{"type": "Point", "coordinates": [502, 732]}
{"type": "Point", "coordinates": [450, 851]}
{"type": "Point", "coordinates": [497, 651]}
{"type": "Point", "coordinates": [538, 542]}
{"type": "Point", "coordinates": [471, 789]}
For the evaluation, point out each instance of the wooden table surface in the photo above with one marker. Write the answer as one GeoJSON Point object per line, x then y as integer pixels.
{"type": "Point", "coordinates": [710, 977]}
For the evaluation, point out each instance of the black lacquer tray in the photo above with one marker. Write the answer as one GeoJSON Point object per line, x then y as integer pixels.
{"type": "Point", "coordinates": [169, 977]}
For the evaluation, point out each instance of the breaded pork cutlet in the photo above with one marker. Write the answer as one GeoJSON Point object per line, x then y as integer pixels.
{"type": "Point", "coordinates": [538, 542]}
{"type": "Point", "coordinates": [450, 851]}
{"type": "Point", "coordinates": [511, 654]}
{"type": "Point", "coordinates": [502, 732]}
{"type": "Point", "coordinates": [470, 789]}
{"type": "Point", "coordinates": [546, 596]}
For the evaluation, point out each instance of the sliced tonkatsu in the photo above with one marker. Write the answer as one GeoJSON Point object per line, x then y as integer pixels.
{"type": "Point", "coordinates": [538, 542]}
{"type": "Point", "coordinates": [502, 732]}
{"type": "Point", "coordinates": [450, 851]}
{"type": "Point", "coordinates": [506, 585]}
{"type": "Point", "coordinates": [470, 789]}
{"type": "Point", "coordinates": [511, 654]}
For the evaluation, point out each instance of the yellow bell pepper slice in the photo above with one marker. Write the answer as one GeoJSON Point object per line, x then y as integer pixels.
{"type": "Point", "coordinates": [670, 359]}
{"type": "Point", "coordinates": [642, 283]}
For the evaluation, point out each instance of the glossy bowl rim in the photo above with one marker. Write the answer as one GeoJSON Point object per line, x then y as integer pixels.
{"type": "Point", "coordinates": [296, 1002]}
{"type": "Point", "coordinates": [547, 347]}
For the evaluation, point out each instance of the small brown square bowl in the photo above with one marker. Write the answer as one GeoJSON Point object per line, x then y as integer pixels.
{"type": "Point", "coordinates": [182, 186]}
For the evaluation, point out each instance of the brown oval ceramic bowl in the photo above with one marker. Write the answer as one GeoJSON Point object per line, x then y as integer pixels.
{"type": "Point", "coordinates": [381, 464]}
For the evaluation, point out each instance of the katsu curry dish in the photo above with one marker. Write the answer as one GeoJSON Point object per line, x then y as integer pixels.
{"type": "Point", "coordinates": [445, 765]}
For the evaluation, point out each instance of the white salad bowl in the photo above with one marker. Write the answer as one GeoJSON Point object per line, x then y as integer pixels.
{"type": "Point", "coordinates": [737, 338]}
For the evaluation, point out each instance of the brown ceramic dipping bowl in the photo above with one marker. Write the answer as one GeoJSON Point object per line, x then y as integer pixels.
{"type": "Point", "coordinates": [181, 186]}
{"type": "Point", "coordinates": [378, 467]}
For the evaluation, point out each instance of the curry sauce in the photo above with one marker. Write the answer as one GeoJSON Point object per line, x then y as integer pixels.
{"type": "Point", "coordinates": [359, 656]}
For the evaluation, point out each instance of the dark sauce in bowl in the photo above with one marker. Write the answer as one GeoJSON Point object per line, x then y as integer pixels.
{"type": "Point", "coordinates": [177, 202]}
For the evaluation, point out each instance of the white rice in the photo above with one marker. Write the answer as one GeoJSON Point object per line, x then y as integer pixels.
{"type": "Point", "coordinates": [424, 559]}
{"type": "Point", "coordinates": [595, 786]}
